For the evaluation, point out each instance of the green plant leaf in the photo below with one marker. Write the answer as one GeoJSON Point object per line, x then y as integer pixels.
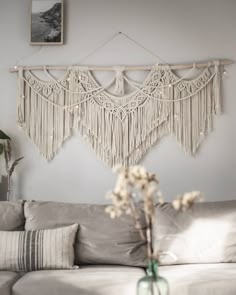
{"type": "Point", "coordinates": [1, 148]}
{"type": "Point", "coordinates": [3, 135]}
{"type": "Point", "coordinates": [14, 164]}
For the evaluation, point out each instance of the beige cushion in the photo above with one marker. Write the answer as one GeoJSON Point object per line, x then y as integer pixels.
{"type": "Point", "coordinates": [92, 280]}
{"type": "Point", "coordinates": [100, 240]}
{"type": "Point", "coordinates": [204, 234]}
{"type": "Point", "coordinates": [7, 279]}
{"type": "Point", "coordinates": [201, 279]}
{"type": "Point", "coordinates": [11, 216]}
{"type": "Point", "coordinates": [40, 249]}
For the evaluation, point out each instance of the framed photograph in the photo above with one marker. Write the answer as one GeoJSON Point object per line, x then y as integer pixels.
{"type": "Point", "coordinates": [46, 22]}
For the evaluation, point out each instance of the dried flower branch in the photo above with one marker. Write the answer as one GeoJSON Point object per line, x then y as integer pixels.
{"type": "Point", "coordinates": [135, 182]}
{"type": "Point", "coordinates": [14, 164]}
{"type": "Point", "coordinates": [187, 200]}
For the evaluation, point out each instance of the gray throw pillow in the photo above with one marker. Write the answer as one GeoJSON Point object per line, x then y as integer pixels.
{"type": "Point", "coordinates": [12, 215]}
{"type": "Point", "coordinates": [100, 239]}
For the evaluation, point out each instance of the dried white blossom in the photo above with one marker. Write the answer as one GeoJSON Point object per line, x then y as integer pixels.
{"type": "Point", "coordinates": [187, 200]}
{"type": "Point", "coordinates": [136, 181]}
{"type": "Point", "coordinates": [131, 180]}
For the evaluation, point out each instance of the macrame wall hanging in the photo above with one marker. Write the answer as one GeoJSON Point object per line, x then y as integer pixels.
{"type": "Point", "coordinates": [120, 127]}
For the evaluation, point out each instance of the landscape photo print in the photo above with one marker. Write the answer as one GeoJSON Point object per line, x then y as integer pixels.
{"type": "Point", "coordinates": [46, 22]}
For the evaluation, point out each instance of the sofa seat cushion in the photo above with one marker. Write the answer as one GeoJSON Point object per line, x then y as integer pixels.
{"type": "Point", "coordinates": [7, 280]}
{"type": "Point", "coordinates": [204, 279]}
{"type": "Point", "coordinates": [90, 280]}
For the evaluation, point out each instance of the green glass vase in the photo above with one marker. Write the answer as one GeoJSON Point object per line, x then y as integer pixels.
{"type": "Point", "coordinates": [152, 283]}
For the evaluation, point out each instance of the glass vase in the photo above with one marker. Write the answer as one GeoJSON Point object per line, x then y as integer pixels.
{"type": "Point", "coordinates": [152, 283]}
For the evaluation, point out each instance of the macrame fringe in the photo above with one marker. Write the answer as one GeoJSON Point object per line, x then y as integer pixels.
{"type": "Point", "coordinates": [120, 130]}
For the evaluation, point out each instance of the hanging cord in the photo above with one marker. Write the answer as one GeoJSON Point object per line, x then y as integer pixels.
{"type": "Point", "coordinates": [98, 48]}
{"type": "Point", "coordinates": [20, 60]}
{"type": "Point", "coordinates": [118, 87]}
{"type": "Point", "coordinates": [121, 87]}
{"type": "Point", "coordinates": [143, 47]}
{"type": "Point", "coordinates": [127, 37]}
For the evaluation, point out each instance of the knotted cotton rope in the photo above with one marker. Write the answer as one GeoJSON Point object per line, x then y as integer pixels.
{"type": "Point", "coordinates": [120, 129]}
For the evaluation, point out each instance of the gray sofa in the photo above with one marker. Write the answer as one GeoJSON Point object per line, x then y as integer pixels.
{"type": "Point", "coordinates": [197, 249]}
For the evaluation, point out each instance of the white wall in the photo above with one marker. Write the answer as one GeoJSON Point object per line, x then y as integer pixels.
{"type": "Point", "coordinates": [179, 31]}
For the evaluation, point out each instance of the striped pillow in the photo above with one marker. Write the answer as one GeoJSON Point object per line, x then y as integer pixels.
{"type": "Point", "coordinates": [37, 250]}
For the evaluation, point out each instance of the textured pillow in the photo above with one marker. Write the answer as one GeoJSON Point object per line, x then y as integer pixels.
{"type": "Point", "coordinates": [12, 216]}
{"type": "Point", "coordinates": [37, 250]}
{"type": "Point", "coordinates": [206, 233]}
{"type": "Point", "coordinates": [100, 239]}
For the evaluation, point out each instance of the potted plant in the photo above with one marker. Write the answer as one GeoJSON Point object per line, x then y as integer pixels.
{"type": "Point", "coordinates": [10, 165]}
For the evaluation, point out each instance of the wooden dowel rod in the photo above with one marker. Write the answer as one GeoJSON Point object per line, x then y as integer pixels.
{"type": "Point", "coordinates": [127, 68]}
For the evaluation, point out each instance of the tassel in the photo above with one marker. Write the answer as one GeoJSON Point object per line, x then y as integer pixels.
{"type": "Point", "coordinates": [120, 83]}
{"type": "Point", "coordinates": [217, 89]}
{"type": "Point", "coordinates": [21, 97]}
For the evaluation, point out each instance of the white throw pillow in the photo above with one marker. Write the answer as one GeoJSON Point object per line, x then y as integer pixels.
{"type": "Point", "coordinates": [206, 233]}
{"type": "Point", "coordinates": [37, 250]}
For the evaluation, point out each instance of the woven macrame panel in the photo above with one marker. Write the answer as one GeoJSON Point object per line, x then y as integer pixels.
{"type": "Point", "coordinates": [120, 129]}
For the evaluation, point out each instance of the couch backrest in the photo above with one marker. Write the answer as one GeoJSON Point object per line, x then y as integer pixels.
{"type": "Point", "coordinates": [11, 216]}
{"type": "Point", "coordinates": [204, 234]}
{"type": "Point", "coordinates": [100, 239]}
